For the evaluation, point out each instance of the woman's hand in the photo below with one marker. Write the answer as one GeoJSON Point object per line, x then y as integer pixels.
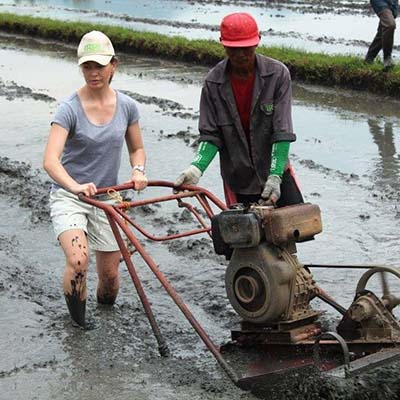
{"type": "Point", "coordinates": [88, 189]}
{"type": "Point", "coordinates": [139, 180]}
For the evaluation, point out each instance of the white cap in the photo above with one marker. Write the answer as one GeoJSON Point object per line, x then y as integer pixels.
{"type": "Point", "coordinates": [95, 46]}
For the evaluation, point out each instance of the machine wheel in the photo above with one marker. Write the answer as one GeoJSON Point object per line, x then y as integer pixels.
{"type": "Point", "coordinates": [392, 300]}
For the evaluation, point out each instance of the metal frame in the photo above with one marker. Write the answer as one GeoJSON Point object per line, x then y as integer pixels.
{"type": "Point", "coordinates": [119, 220]}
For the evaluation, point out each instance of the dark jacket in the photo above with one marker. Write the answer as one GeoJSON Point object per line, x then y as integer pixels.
{"type": "Point", "coordinates": [270, 121]}
{"type": "Point", "coordinates": [380, 5]}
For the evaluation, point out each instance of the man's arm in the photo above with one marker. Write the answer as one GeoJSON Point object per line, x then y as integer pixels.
{"type": "Point", "coordinates": [210, 142]}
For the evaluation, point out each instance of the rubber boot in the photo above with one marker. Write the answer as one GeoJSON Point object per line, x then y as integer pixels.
{"type": "Point", "coordinates": [106, 299]}
{"type": "Point", "coordinates": [76, 307]}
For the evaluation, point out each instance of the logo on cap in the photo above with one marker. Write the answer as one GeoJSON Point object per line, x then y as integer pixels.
{"type": "Point", "coordinates": [93, 48]}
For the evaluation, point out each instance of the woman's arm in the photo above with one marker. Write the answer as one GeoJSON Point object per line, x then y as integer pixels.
{"type": "Point", "coordinates": [52, 164]}
{"type": "Point", "coordinates": [137, 155]}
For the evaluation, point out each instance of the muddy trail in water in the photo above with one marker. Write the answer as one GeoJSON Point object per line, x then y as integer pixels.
{"type": "Point", "coordinates": [118, 355]}
{"type": "Point", "coordinates": [324, 26]}
{"type": "Point", "coordinates": [45, 357]}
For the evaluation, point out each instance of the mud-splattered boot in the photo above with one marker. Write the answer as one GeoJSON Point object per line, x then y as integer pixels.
{"type": "Point", "coordinates": [77, 308]}
{"type": "Point", "coordinates": [75, 297]}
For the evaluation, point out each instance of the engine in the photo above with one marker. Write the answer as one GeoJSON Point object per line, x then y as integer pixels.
{"type": "Point", "coordinates": [265, 283]}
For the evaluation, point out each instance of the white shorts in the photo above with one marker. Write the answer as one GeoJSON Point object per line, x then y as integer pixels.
{"type": "Point", "coordinates": [68, 212]}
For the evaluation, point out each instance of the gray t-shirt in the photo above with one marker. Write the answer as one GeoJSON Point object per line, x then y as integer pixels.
{"type": "Point", "coordinates": [92, 153]}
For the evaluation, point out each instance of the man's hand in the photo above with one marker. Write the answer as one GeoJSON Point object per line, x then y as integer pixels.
{"type": "Point", "coordinates": [272, 190]}
{"type": "Point", "coordinates": [189, 176]}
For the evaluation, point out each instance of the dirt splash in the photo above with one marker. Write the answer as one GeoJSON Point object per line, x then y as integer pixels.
{"type": "Point", "coordinates": [26, 186]}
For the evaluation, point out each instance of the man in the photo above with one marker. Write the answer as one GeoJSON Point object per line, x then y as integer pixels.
{"type": "Point", "coordinates": [386, 10]}
{"type": "Point", "coordinates": [245, 115]}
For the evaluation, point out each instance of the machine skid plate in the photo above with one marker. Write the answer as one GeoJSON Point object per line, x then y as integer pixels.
{"type": "Point", "coordinates": [366, 363]}
{"type": "Point", "coordinates": [270, 364]}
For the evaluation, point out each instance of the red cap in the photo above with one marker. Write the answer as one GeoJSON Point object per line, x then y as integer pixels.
{"type": "Point", "coordinates": [239, 30]}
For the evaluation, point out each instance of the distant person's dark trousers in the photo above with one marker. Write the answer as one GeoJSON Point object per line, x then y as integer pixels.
{"type": "Point", "coordinates": [384, 36]}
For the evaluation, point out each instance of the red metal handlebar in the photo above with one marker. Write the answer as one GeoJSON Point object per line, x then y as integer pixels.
{"type": "Point", "coordinates": [114, 214]}
{"type": "Point", "coordinates": [202, 195]}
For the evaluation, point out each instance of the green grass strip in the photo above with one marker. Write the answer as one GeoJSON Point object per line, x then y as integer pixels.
{"type": "Point", "coordinates": [317, 68]}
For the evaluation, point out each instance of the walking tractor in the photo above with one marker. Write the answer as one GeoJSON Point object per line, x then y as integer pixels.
{"type": "Point", "coordinates": [269, 288]}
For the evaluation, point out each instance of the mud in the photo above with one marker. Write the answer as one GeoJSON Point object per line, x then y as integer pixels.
{"type": "Point", "coordinates": [303, 6]}
{"type": "Point", "coordinates": [27, 188]}
{"type": "Point", "coordinates": [347, 160]}
{"type": "Point", "coordinates": [338, 7]}
{"type": "Point", "coordinates": [208, 294]}
{"type": "Point", "coordinates": [333, 27]}
{"type": "Point", "coordinates": [380, 384]}
{"type": "Point", "coordinates": [269, 34]}
{"type": "Point", "coordinates": [12, 91]}
{"type": "Point", "coordinates": [168, 107]}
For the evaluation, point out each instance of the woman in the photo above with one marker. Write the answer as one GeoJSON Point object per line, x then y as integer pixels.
{"type": "Point", "coordinates": [83, 153]}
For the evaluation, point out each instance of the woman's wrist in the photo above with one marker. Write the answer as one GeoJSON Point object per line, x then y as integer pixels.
{"type": "Point", "coordinates": [139, 168]}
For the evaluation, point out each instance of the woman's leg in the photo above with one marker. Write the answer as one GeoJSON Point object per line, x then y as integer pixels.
{"type": "Point", "coordinates": [107, 269]}
{"type": "Point", "coordinates": [74, 244]}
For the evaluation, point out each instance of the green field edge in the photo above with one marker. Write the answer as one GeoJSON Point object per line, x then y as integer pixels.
{"type": "Point", "coordinates": [316, 68]}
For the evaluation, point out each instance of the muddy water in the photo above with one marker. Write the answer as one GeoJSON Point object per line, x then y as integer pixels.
{"type": "Point", "coordinates": [347, 161]}
{"type": "Point", "coordinates": [324, 26]}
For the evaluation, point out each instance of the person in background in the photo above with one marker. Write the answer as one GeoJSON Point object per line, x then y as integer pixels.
{"type": "Point", "coordinates": [246, 117]}
{"type": "Point", "coordinates": [386, 10]}
{"type": "Point", "coordinates": [83, 153]}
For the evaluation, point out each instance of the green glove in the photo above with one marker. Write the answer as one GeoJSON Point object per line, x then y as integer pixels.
{"type": "Point", "coordinates": [279, 156]}
{"type": "Point", "coordinates": [205, 154]}
{"type": "Point", "coordinates": [272, 188]}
